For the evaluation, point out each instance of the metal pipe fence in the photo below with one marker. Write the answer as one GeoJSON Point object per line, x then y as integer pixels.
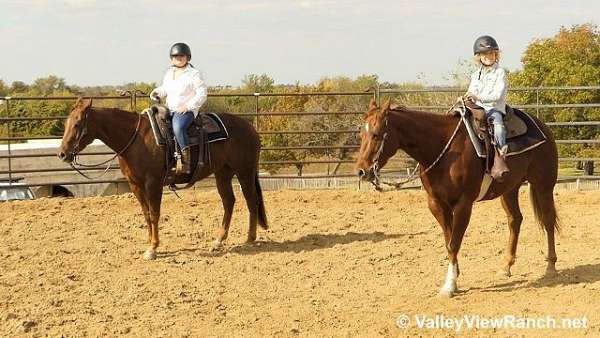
{"type": "Point", "coordinates": [324, 152]}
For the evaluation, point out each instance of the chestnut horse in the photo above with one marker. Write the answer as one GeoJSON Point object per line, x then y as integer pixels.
{"type": "Point", "coordinates": [452, 175]}
{"type": "Point", "coordinates": [143, 162]}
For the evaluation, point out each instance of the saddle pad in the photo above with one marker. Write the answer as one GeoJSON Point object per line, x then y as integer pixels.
{"type": "Point", "coordinates": [155, 126]}
{"type": "Point", "coordinates": [515, 126]}
{"type": "Point", "coordinates": [211, 123]}
{"type": "Point", "coordinates": [214, 127]}
{"type": "Point", "coordinates": [516, 145]}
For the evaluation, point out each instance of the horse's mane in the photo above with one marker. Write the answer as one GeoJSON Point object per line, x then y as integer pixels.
{"type": "Point", "coordinates": [405, 109]}
{"type": "Point", "coordinates": [111, 109]}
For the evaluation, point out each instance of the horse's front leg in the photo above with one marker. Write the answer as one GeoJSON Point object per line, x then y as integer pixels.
{"type": "Point", "coordinates": [140, 194]}
{"type": "Point", "coordinates": [460, 221]}
{"type": "Point", "coordinates": [153, 198]}
{"type": "Point", "coordinates": [443, 214]}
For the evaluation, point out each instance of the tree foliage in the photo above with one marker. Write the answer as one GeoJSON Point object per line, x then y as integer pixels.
{"type": "Point", "coordinates": [570, 58]}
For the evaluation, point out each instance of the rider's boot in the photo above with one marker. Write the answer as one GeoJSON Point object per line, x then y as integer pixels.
{"type": "Point", "coordinates": [186, 160]}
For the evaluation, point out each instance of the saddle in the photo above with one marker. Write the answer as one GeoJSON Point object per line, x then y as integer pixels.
{"type": "Point", "coordinates": [204, 130]}
{"type": "Point", "coordinates": [515, 125]}
{"type": "Point", "coordinates": [523, 134]}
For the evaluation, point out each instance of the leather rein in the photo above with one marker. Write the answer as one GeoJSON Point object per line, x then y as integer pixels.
{"type": "Point", "coordinates": [398, 185]}
{"type": "Point", "coordinates": [82, 133]}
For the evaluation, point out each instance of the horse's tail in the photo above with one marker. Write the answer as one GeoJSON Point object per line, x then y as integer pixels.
{"type": "Point", "coordinates": [262, 214]}
{"type": "Point", "coordinates": [544, 209]}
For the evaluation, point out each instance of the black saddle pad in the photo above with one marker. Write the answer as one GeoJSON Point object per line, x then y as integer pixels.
{"type": "Point", "coordinates": [516, 145]}
{"type": "Point", "coordinates": [531, 139]}
{"type": "Point", "coordinates": [212, 125]}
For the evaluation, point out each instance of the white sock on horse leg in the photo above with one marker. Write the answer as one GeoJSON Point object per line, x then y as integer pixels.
{"type": "Point", "coordinates": [451, 277]}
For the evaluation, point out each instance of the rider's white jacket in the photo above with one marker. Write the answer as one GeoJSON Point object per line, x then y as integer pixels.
{"type": "Point", "coordinates": [490, 85]}
{"type": "Point", "coordinates": [189, 89]}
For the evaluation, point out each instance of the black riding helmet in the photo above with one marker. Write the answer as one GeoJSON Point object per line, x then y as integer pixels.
{"type": "Point", "coordinates": [181, 48]}
{"type": "Point", "coordinates": [484, 43]}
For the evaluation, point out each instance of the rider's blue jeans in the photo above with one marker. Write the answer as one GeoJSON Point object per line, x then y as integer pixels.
{"type": "Point", "coordinates": [497, 119]}
{"type": "Point", "coordinates": [181, 122]}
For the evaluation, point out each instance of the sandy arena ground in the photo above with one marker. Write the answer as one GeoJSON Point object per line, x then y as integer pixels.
{"type": "Point", "coordinates": [335, 263]}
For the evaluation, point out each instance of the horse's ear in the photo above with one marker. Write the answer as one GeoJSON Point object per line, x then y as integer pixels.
{"type": "Point", "coordinates": [372, 104]}
{"type": "Point", "coordinates": [87, 104]}
{"type": "Point", "coordinates": [386, 107]}
{"type": "Point", "coordinates": [372, 108]}
{"type": "Point", "coordinates": [79, 102]}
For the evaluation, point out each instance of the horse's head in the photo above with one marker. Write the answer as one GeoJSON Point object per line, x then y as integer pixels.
{"type": "Point", "coordinates": [77, 134]}
{"type": "Point", "coordinates": [375, 147]}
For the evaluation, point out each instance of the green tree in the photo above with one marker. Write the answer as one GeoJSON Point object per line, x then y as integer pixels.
{"type": "Point", "coordinates": [48, 85]}
{"type": "Point", "coordinates": [3, 88]}
{"type": "Point", "coordinates": [570, 58]}
{"type": "Point", "coordinates": [258, 83]}
{"type": "Point", "coordinates": [18, 87]}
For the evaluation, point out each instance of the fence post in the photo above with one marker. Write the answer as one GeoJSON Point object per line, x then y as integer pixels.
{"type": "Point", "coordinates": [135, 96]}
{"type": "Point", "coordinates": [125, 93]}
{"type": "Point", "coordinates": [537, 102]}
{"type": "Point", "coordinates": [9, 136]}
{"type": "Point", "coordinates": [256, 123]}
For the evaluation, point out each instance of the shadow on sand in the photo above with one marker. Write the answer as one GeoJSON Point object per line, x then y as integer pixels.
{"type": "Point", "coordinates": [303, 244]}
{"type": "Point", "coordinates": [588, 273]}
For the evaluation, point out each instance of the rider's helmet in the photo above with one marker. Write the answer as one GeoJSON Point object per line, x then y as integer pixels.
{"type": "Point", "coordinates": [484, 43]}
{"type": "Point", "coordinates": [181, 48]}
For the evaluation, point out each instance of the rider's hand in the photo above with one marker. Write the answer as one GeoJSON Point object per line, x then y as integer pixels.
{"type": "Point", "coordinates": [471, 97]}
{"type": "Point", "coordinates": [154, 95]}
{"type": "Point", "coordinates": [182, 109]}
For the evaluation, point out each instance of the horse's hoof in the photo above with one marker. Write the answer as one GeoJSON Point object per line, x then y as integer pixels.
{"type": "Point", "coordinates": [251, 241]}
{"type": "Point", "coordinates": [551, 273]}
{"type": "Point", "coordinates": [150, 255]}
{"type": "Point", "coordinates": [504, 273]}
{"type": "Point", "coordinates": [445, 294]}
{"type": "Point", "coordinates": [217, 245]}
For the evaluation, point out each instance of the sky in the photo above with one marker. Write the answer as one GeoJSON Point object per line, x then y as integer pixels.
{"type": "Point", "coordinates": [112, 42]}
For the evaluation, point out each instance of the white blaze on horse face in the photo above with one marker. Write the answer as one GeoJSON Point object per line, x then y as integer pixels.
{"type": "Point", "coordinates": [450, 284]}
{"type": "Point", "coordinates": [367, 127]}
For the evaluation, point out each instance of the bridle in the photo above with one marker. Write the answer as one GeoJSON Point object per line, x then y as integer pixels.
{"type": "Point", "coordinates": [82, 133]}
{"type": "Point", "coordinates": [375, 168]}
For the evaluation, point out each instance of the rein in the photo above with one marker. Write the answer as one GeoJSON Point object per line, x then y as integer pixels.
{"type": "Point", "coordinates": [119, 153]}
{"type": "Point", "coordinates": [398, 185]}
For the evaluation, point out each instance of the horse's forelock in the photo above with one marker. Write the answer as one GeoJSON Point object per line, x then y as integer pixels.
{"type": "Point", "coordinates": [82, 103]}
{"type": "Point", "coordinates": [370, 112]}
{"type": "Point", "coordinates": [375, 118]}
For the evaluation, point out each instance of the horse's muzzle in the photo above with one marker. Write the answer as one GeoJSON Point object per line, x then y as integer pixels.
{"type": "Point", "coordinates": [68, 158]}
{"type": "Point", "coordinates": [366, 175]}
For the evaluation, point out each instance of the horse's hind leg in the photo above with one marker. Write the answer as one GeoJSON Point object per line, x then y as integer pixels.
{"type": "Point", "coordinates": [250, 194]}
{"type": "Point", "coordinates": [545, 213]}
{"type": "Point", "coordinates": [510, 203]}
{"type": "Point", "coordinates": [225, 189]}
